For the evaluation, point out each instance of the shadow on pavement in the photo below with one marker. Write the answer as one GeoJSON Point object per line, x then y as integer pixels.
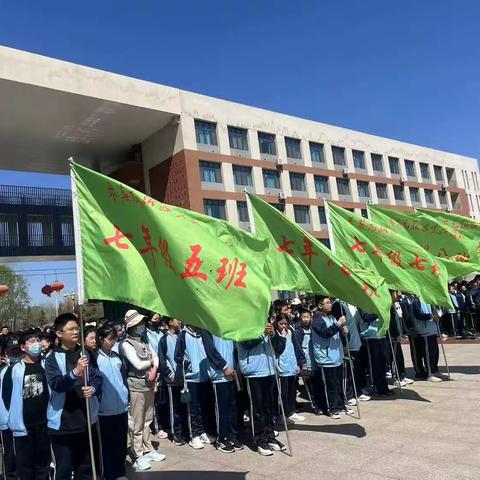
{"type": "Point", "coordinates": [409, 394]}
{"type": "Point", "coordinates": [187, 475]}
{"type": "Point", "coordinates": [473, 370]}
{"type": "Point", "coordinates": [351, 429]}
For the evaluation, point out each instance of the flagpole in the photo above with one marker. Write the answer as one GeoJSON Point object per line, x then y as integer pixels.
{"type": "Point", "coordinates": [329, 227]}
{"type": "Point", "coordinates": [251, 218]}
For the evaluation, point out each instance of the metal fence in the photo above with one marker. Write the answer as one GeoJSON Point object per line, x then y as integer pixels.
{"type": "Point", "coordinates": [13, 195]}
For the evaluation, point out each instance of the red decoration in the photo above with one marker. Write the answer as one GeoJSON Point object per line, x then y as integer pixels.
{"type": "Point", "coordinates": [3, 290]}
{"type": "Point", "coordinates": [47, 290]}
{"type": "Point", "coordinates": [57, 286]}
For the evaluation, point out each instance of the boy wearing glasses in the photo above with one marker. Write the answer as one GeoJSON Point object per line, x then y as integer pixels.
{"type": "Point", "coordinates": [65, 369]}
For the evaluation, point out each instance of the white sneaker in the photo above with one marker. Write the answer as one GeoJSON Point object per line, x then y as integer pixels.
{"type": "Point", "coordinates": [402, 383]}
{"type": "Point", "coordinates": [275, 433]}
{"type": "Point", "coordinates": [162, 434]}
{"type": "Point", "coordinates": [388, 374]}
{"type": "Point", "coordinates": [441, 376]}
{"type": "Point", "coordinates": [352, 402]}
{"type": "Point", "coordinates": [196, 443]}
{"type": "Point", "coordinates": [208, 439]}
{"type": "Point", "coordinates": [434, 379]}
{"type": "Point", "coordinates": [335, 416]}
{"type": "Point", "coordinates": [408, 381]}
{"type": "Point", "coordinates": [347, 411]}
{"type": "Point", "coordinates": [264, 450]}
{"type": "Point", "coordinates": [141, 464]}
{"type": "Point", "coordinates": [364, 398]}
{"type": "Point", "coordinates": [297, 418]}
{"type": "Point", "coordinates": [155, 456]}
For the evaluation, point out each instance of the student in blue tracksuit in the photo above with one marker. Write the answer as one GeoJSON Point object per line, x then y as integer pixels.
{"type": "Point", "coordinates": [28, 398]}
{"type": "Point", "coordinates": [291, 361]}
{"type": "Point", "coordinates": [328, 355]}
{"type": "Point", "coordinates": [65, 369]}
{"type": "Point", "coordinates": [257, 364]}
{"type": "Point", "coordinates": [167, 368]}
{"type": "Point", "coordinates": [192, 365]}
{"type": "Point", "coordinates": [221, 370]}
{"type": "Point", "coordinates": [113, 408]}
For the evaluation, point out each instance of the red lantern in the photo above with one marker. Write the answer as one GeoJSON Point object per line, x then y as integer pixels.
{"type": "Point", "coordinates": [57, 286]}
{"type": "Point", "coordinates": [3, 290]}
{"type": "Point", "coordinates": [47, 290]}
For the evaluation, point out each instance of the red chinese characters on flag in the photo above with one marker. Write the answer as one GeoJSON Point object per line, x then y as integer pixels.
{"type": "Point", "coordinates": [149, 248]}
{"type": "Point", "coordinates": [358, 245]}
{"type": "Point", "coordinates": [163, 244]}
{"type": "Point", "coordinates": [284, 247]}
{"type": "Point", "coordinates": [308, 250]}
{"type": "Point", "coordinates": [418, 263]}
{"type": "Point", "coordinates": [232, 269]}
{"type": "Point", "coordinates": [370, 291]}
{"type": "Point", "coordinates": [117, 237]}
{"type": "Point", "coordinates": [111, 192]}
{"type": "Point", "coordinates": [395, 258]}
{"type": "Point", "coordinates": [193, 265]}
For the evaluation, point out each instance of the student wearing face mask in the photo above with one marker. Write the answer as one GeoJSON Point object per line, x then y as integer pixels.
{"type": "Point", "coordinates": [142, 364]}
{"type": "Point", "coordinates": [28, 411]}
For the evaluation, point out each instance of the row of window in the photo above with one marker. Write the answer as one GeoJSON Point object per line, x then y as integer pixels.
{"type": "Point", "coordinates": [211, 172]}
{"type": "Point", "coordinates": [238, 138]}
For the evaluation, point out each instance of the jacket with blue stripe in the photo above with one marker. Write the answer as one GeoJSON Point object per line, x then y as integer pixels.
{"type": "Point", "coordinates": [115, 394]}
{"type": "Point", "coordinates": [255, 357]}
{"type": "Point", "coordinates": [60, 381]}
{"type": "Point", "coordinates": [191, 357]}
{"type": "Point", "coordinates": [5, 395]}
{"type": "Point", "coordinates": [304, 339]}
{"type": "Point", "coordinates": [153, 337]}
{"type": "Point", "coordinates": [369, 326]}
{"type": "Point", "coordinates": [289, 354]}
{"type": "Point", "coordinates": [341, 308]}
{"type": "Point", "coordinates": [220, 357]}
{"type": "Point", "coordinates": [425, 324]}
{"type": "Point", "coordinates": [326, 341]}
{"type": "Point", "coordinates": [166, 357]}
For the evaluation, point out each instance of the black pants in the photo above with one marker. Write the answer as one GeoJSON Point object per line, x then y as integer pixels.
{"type": "Point", "coordinates": [397, 350]}
{"type": "Point", "coordinates": [162, 420]}
{"type": "Point", "coordinates": [433, 352]}
{"type": "Point", "coordinates": [378, 356]}
{"type": "Point", "coordinates": [178, 412]}
{"type": "Point", "coordinates": [71, 454]}
{"type": "Point", "coordinates": [262, 399]}
{"type": "Point", "coordinates": [333, 386]}
{"type": "Point", "coordinates": [226, 410]}
{"type": "Point", "coordinates": [417, 351]}
{"type": "Point", "coordinates": [358, 375]}
{"type": "Point", "coordinates": [447, 323]}
{"type": "Point", "coordinates": [9, 463]}
{"type": "Point", "coordinates": [114, 437]}
{"type": "Point", "coordinates": [33, 454]}
{"type": "Point", "coordinates": [288, 386]}
{"type": "Point", "coordinates": [202, 417]}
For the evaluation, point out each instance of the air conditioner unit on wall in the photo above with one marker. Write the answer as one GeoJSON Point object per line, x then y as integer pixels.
{"type": "Point", "coordinates": [448, 209]}
{"type": "Point", "coordinates": [345, 171]}
{"type": "Point", "coordinates": [281, 196]}
{"type": "Point", "coordinates": [444, 186]}
{"type": "Point", "coordinates": [403, 179]}
{"type": "Point", "coordinates": [280, 162]}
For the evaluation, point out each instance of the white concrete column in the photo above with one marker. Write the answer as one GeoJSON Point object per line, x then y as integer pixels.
{"type": "Point", "coordinates": [373, 192]}
{"type": "Point", "coordinates": [257, 177]}
{"type": "Point", "coordinates": [408, 200]}
{"type": "Point", "coordinates": [310, 184]}
{"type": "Point", "coordinates": [285, 183]}
{"type": "Point", "coordinates": [253, 144]}
{"type": "Point", "coordinates": [305, 149]}
{"type": "Point", "coordinates": [315, 218]}
{"type": "Point", "coordinates": [332, 183]}
{"type": "Point", "coordinates": [423, 200]}
{"type": "Point", "coordinates": [353, 189]}
{"type": "Point", "coordinates": [227, 176]}
{"type": "Point", "coordinates": [281, 149]}
{"type": "Point", "coordinates": [436, 199]}
{"type": "Point", "coordinates": [327, 151]}
{"type": "Point", "coordinates": [289, 211]}
{"type": "Point", "coordinates": [231, 212]}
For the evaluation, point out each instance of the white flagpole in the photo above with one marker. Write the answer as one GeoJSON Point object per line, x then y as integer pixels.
{"type": "Point", "coordinates": [329, 227]}
{"type": "Point", "coordinates": [251, 218]}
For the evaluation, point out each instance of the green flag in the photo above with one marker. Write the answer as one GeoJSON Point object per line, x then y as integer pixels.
{"type": "Point", "coordinates": [169, 260]}
{"type": "Point", "coordinates": [298, 261]}
{"type": "Point", "coordinates": [404, 264]}
{"type": "Point", "coordinates": [439, 237]}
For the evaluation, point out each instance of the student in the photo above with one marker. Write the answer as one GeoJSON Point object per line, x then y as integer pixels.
{"type": "Point", "coordinates": [65, 369]}
{"type": "Point", "coordinates": [220, 354]}
{"type": "Point", "coordinates": [328, 354]}
{"type": "Point", "coordinates": [113, 408]}
{"type": "Point", "coordinates": [142, 364]}
{"type": "Point", "coordinates": [291, 361]}
{"type": "Point", "coordinates": [120, 328]}
{"type": "Point", "coordinates": [13, 355]}
{"type": "Point", "coordinates": [90, 338]}
{"type": "Point", "coordinates": [167, 368]}
{"type": "Point", "coordinates": [28, 411]}
{"type": "Point", "coordinates": [46, 343]}
{"type": "Point", "coordinates": [257, 364]}
{"type": "Point", "coordinates": [192, 367]}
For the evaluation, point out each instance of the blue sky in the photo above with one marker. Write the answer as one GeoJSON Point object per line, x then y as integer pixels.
{"type": "Point", "coordinates": [406, 70]}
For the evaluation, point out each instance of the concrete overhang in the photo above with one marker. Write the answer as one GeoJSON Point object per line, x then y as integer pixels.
{"type": "Point", "coordinates": [51, 110]}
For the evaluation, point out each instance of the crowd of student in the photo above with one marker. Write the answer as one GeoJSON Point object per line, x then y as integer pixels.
{"type": "Point", "coordinates": [144, 376]}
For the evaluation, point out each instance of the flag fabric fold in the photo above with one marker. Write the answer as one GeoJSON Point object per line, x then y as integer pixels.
{"type": "Point", "coordinates": [437, 234]}
{"type": "Point", "coordinates": [200, 270]}
{"type": "Point", "coordinates": [403, 263]}
{"type": "Point", "coordinates": [297, 261]}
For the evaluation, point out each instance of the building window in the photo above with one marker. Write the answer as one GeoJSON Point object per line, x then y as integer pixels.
{"type": "Point", "coordinates": [238, 138]}
{"type": "Point", "coordinates": [398, 192]}
{"type": "Point", "coordinates": [414, 196]}
{"type": "Point", "coordinates": [271, 179]}
{"type": "Point", "coordinates": [302, 213]}
{"type": "Point", "coordinates": [438, 173]}
{"type": "Point", "coordinates": [424, 171]}
{"type": "Point", "coordinates": [443, 198]}
{"type": "Point", "coordinates": [293, 147]}
{"type": "Point", "coordinates": [325, 241]}
{"type": "Point", "coordinates": [242, 211]}
{"type": "Point", "coordinates": [377, 162]}
{"type": "Point", "coordinates": [322, 215]}
{"type": "Point", "coordinates": [66, 227]}
{"type": "Point", "coordinates": [214, 208]}
{"type": "Point", "coordinates": [410, 168]}
{"type": "Point", "coordinates": [321, 184]}
{"type": "Point", "coordinates": [394, 165]}
{"type": "Point", "coordinates": [358, 159]}
{"type": "Point", "coordinates": [429, 196]}
{"type": "Point", "coordinates": [40, 230]}
{"type": "Point", "coordinates": [210, 172]}
{"type": "Point", "coordinates": [206, 132]}
{"type": "Point", "coordinates": [339, 156]}
{"type": "Point", "coordinates": [364, 213]}
{"type": "Point", "coordinates": [279, 206]}
{"type": "Point", "coordinates": [343, 186]}
{"type": "Point", "coordinates": [267, 143]}
{"type": "Point", "coordinates": [316, 152]}
{"type": "Point", "coordinates": [297, 182]}
{"type": "Point", "coordinates": [363, 189]}
{"type": "Point", "coordinates": [382, 190]}
{"type": "Point", "coordinates": [242, 175]}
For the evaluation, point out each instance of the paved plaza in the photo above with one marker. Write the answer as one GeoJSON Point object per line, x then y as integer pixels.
{"type": "Point", "coordinates": [433, 432]}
